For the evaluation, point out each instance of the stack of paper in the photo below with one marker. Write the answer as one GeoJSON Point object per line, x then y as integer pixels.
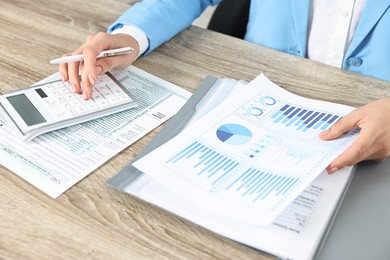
{"type": "Point", "coordinates": [252, 169]}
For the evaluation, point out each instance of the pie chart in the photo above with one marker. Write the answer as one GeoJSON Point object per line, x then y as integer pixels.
{"type": "Point", "coordinates": [234, 134]}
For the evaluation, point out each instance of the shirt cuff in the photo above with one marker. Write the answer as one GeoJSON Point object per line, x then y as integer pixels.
{"type": "Point", "coordinates": [137, 34]}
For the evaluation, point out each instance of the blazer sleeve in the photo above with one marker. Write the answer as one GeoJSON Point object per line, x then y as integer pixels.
{"type": "Point", "coordinates": [161, 20]}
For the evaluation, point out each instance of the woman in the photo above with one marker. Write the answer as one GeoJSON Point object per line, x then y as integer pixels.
{"type": "Point", "coordinates": [349, 34]}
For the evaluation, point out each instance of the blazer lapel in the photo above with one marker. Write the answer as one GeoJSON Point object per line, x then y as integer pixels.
{"type": "Point", "coordinates": [372, 12]}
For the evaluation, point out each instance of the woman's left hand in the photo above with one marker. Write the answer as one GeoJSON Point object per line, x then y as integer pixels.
{"type": "Point", "coordinates": [373, 142]}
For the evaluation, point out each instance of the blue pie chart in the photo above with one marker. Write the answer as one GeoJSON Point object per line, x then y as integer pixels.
{"type": "Point", "coordinates": [234, 134]}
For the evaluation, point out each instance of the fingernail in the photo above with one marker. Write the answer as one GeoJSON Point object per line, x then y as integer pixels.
{"type": "Point", "coordinates": [85, 96]}
{"type": "Point", "coordinates": [62, 77]}
{"type": "Point", "coordinates": [325, 131]}
{"type": "Point", "coordinates": [73, 86]}
{"type": "Point", "coordinates": [332, 170]}
{"type": "Point", "coordinates": [99, 69]}
{"type": "Point", "coordinates": [91, 79]}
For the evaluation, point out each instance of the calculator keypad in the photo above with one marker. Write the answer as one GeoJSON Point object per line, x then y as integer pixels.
{"type": "Point", "coordinates": [65, 104]}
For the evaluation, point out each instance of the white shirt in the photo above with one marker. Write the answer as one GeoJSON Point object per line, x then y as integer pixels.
{"type": "Point", "coordinates": [137, 34]}
{"type": "Point", "coordinates": [332, 24]}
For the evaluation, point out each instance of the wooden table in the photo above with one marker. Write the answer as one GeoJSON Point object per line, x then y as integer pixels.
{"type": "Point", "coordinates": [92, 220]}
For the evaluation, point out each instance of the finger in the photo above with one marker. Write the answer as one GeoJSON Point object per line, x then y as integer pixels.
{"type": "Point", "coordinates": [103, 41]}
{"type": "Point", "coordinates": [74, 72]}
{"type": "Point", "coordinates": [344, 124]}
{"type": "Point", "coordinates": [350, 157]}
{"type": "Point", "coordinates": [101, 66]}
{"type": "Point", "coordinates": [63, 69]}
{"type": "Point", "coordinates": [119, 61]}
{"type": "Point", "coordinates": [360, 150]}
{"type": "Point", "coordinates": [90, 74]}
{"type": "Point", "coordinates": [92, 67]}
{"type": "Point", "coordinates": [88, 71]}
{"type": "Point", "coordinates": [93, 46]}
{"type": "Point", "coordinates": [74, 78]}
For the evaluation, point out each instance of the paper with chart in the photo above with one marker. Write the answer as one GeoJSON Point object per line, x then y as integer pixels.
{"type": "Point", "coordinates": [55, 161]}
{"type": "Point", "coordinates": [295, 234]}
{"type": "Point", "coordinates": [252, 156]}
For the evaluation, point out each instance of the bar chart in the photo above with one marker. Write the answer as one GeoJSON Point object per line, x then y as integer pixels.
{"type": "Point", "coordinates": [200, 161]}
{"type": "Point", "coordinates": [220, 172]}
{"type": "Point", "coordinates": [257, 184]}
{"type": "Point", "coordinates": [303, 120]}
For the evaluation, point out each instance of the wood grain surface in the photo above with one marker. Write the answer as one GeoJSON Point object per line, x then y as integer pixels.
{"type": "Point", "coordinates": [92, 220]}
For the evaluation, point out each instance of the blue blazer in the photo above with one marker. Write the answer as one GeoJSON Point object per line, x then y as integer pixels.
{"type": "Point", "coordinates": [280, 25]}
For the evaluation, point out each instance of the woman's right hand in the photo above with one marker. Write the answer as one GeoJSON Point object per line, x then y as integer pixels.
{"type": "Point", "coordinates": [90, 68]}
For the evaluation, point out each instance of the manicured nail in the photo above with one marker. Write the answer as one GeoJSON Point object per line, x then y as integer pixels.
{"type": "Point", "coordinates": [73, 86]}
{"type": "Point", "coordinates": [325, 132]}
{"type": "Point", "coordinates": [332, 170]}
{"type": "Point", "coordinates": [91, 79]}
{"type": "Point", "coordinates": [98, 70]}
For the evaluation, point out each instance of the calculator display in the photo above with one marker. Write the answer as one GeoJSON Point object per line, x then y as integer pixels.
{"type": "Point", "coordinates": [27, 111]}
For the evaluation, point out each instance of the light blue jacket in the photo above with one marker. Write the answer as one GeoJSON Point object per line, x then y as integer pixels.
{"type": "Point", "coordinates": [281, 25]}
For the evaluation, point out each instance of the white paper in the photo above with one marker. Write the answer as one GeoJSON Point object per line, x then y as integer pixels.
{"type": "Point", "coordinates": [297, 231]}
{"type": "Point", "coordinates": [295, 234]}
{"type": "Point", "coordinates": [55, 161]}
{"type": "Point", "coordinates": [245, 160]}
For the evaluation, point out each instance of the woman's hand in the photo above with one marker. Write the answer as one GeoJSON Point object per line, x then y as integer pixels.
{"type": "Point", "coordinates": [90, 68]}
{"type": "Point", "coordinates": [373, 142]}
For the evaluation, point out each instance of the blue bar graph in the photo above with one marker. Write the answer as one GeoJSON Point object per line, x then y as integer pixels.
{"type": "Point", "coordinates": [220, 172]}
{"type": "Point", "coordinates": [303, 119]}
{"type": "Point", "coordinates": [203, 161]}
{"type": "Point", "coordinates": [257, 184]}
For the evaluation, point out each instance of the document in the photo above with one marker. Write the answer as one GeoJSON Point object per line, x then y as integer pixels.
{"type": "Point", "coordinates": [297, 233]}
{"type": "Point", "coordinates": [55, 161]}
{"type": "Point", "coordinates": [248, 159]}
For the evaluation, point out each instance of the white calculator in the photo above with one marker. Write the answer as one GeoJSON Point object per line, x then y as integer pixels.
{"type": "Point", "coordinates": [42, 108]}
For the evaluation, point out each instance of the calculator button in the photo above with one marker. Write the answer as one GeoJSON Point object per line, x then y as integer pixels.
{"type": "Point", "coordinates": [113, 100]}
{"type": "Point", "coordinates": [70, 97]}
{"type": "Point", "coordinates": [49, 87]}
{"type": "Point", "coordinates": [73, 112]}
{"type": "Point", "coordinates": [92, 106]}
{"type": "Point", "coordinates": [64, 103]}
{"type": "Point", "coordinates": [63, 114]}
{"type": "Point", "coordinates": [124, 97]}
{"type": "Point", "coordinates": [102, 103]}
{"type": "Point", "coordinates": [81, 109]}
{"type": "Point", "coordinates": [52, 92]}
{"type": "Point", "coordinates": [58, 84]}
{"type": "Point", "coordinates": [107, 94]}
{"type": "Point", "coordinates": [64, 91]}
{"type": "Point", "coordinates": [64, 106]}
{"type": "Point", "coordinates": [74, 102]}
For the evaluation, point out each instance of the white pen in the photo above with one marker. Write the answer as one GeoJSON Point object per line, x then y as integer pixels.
{"type": "Point", "coordinates": [80, 57]}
